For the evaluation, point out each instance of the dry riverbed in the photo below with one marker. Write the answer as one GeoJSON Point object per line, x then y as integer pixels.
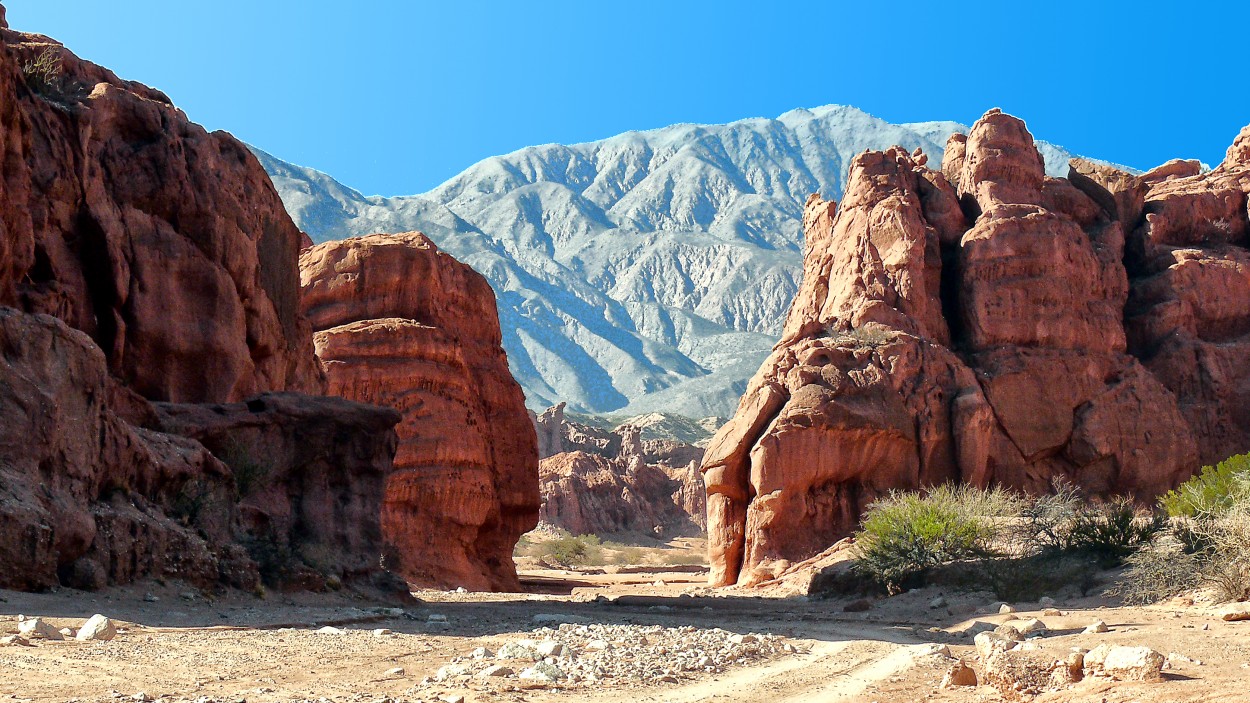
{"type": "Point", "coordinates": [631, 637]}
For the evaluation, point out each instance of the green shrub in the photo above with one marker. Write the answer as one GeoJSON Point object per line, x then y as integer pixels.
{"type": "Point", "coordinates": [1110, 532]}
{"type": "Point", "coordinates": [1212, 490]}
{"type": "Point", "coordinates": [905, 534]}
{"type": "Point", "coordinates": [582, 550]}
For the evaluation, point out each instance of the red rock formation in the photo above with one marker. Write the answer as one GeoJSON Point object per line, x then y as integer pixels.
{"type": "Point", "coordinates": [134, 225]}
{"type": "Point", "coordinates": [590, 494]}
{"type": "Point", "coordinates": [89, 500]}
{"type": "Point", "coordinates": [988, 345]}
{"type": "Point", "coordinates": [311, 474]}
{"type": "Point", "coordinates": [168, 250]}
{"type": "Point", "coordinates": [403, 325]}
{"type": "Point", "coordinates": [599, 481]}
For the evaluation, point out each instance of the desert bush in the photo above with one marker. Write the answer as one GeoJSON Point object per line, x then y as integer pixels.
{"type": "Point", "coordinates": [568, 550]}
{"type": "Point", "coordinates": [905, 534]}
{"type": "Point", "coordinates": [1157, 573]}
{"type": "Point", "coordinates": [44, 75]}
{"type": "Point", "coordinates": [1225, 563]}
{"type": "Point", "coordinates": [1110, 532]}
{"type": "Point", "coordinates": [1211, 491]}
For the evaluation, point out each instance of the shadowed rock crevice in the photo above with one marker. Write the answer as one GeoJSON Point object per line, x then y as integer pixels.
{"type": "Point", "coordinates": [983, 332]}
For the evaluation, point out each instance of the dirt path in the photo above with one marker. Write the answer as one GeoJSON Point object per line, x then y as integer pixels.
{"type": "Point", "coordinates": [178, 646]}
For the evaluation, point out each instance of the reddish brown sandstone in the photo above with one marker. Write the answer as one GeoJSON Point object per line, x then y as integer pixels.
{"type": "Point", "coordinates": [403, 325]}
{"type": "Point", "coordinates": [988, 346]}
{"type": "Point", "coordinates": [135, 225]}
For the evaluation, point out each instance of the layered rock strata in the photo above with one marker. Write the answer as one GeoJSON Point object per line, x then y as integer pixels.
{"type": "Point", "coordinates": [599, 481]}
{"type": "Point", "coordinates": [400, 324]}
{"type": "Point", "coordinates": [988, 324]}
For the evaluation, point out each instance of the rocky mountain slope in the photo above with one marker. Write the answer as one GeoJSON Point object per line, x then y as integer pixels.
{"type": "Point", "coordinates": [991, 325]}
{"type": "Point", "coordinates": [648, 271]}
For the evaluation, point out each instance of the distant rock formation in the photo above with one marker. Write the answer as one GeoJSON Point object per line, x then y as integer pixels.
{"type": "Point", "coordinates": [600, 481]}
{"type": "Point", "coordinates": [989, 324]}
{"type": "Point", "coordinates": [145, 259]}
{"type": "Point", "coordinates": [401, 324]}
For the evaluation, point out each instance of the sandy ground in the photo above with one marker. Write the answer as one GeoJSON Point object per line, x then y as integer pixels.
{"type": "Point", "coordinates": [186, 646]}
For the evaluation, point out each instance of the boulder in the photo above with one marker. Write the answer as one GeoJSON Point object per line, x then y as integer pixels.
{"type": "Point", "coordinates": [1131, 664]}
{"type": "Point", "coordinates": [401, 324]}
{"type": "Point", "coordinates": [97, 627]}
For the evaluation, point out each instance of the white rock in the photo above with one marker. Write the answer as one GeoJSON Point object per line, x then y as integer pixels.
{"type": "Point", "coordinates": [1133, 664]}
{"type": "Point", "coordinates": [436, 618]}
{"type": "Point", "coordinates": [97, 627]}
{"type": "Point", "coordinates": [397, 671]}
{"type": "Point", "coordinates": [14, 641]}
{"type": "Point", "coordinates": [1027, 626]}
{"type": "Point", "coordinates": [1235, 612]}
{"type": "Point", "coordinates": [330, 630]}
{"type": "Point", "coordinates": [493, 671]}
{"type": "Point", "coordinates": [988, 643]}
{"type": "Point", "coordinates": [452, 698]}
{"type": "Point", "coordinates": [1097, 627]}
{"type": "Point", "coordinates": [932, 650]}
{"type": "Point", "coordinates": [37, 628]}
{"type": "Point", "coordinates": [382, 632]}
{"type": "Point", "coordinates": [1005, 608]}
{"type": "Point", "coordinates": [67, 632]}
{"type": "Point", "coordinates": [481, 653]}
{"type": "Point", "coordinates": [517, 650]}
{"type": "Point", "coordinates": [542, 672]}
{"type": "Point", "coordinates": [451, 671]}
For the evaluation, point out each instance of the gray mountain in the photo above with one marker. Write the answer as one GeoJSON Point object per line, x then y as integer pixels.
{"type": "Point", "coordinates": [650, 271]}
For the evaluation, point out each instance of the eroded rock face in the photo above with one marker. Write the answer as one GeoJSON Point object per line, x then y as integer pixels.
{"type": "Point", "coordinates": [133, 224]}
{"type": "Point", "coordinates": [401, 324]}
{"type": "Point", "coordinates": [599, 481]}
{"type": "Point", "coordinates": [991, 325]}
{"type": "Point", "coordinates": [89, 500]}
{"type": "Point", "coordinates": [142, 258]}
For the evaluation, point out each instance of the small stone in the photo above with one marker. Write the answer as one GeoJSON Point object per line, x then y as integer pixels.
{"type": "Point", "coordinates": [1028, 626]}
{"type": "Point", "coordinates": [960, 674]}
{"type": "Point", "coordinates": [15, 641]}
{"type": "Point", "coordinates": [1046, 602]}
{"type": "Point", "coordinates": [382, 632]}
{"type": "Point", "coordinates": [329, 630]}
{"type": "Point", "coordinates": [1052, 613]}
{"type": "Point", "coordinates": [987, 643]}
{"type": "Point", "coordinates": [67, 632]}
{"type": "Point", "coordinates": [481, 653]}
{"type": "Point", "coordinates": [659, 583]}
{"type": "Point", "coordinates": [1005, 608]}
{"type": "Point", "coordinates": [494, 671]}
{"type": "Point", "coordinates": [141, 696]}
{"type": "Point", "coordinates": [938, 602]}
{"type": "Point", "coordinates": [516, 650]}
{"type": "Point", "coordinates": [1206, 626]}
{"type": "Point", "coordinates": [1009, 631]}
{"type": "Point", "coordinates": [397, 671]}
{"type": "Point", "coordinates": [97, 627]}
{"type": "Point", "coordinates": [1098, 627]}
{"type": "Point", "coordinates": [452, 698]}
{"type": "Point", "coordinates": [743, 639]}
{"type": "Point", "coordinates": [551, 648]}
{"type": "Point", "coordinates": [597, 645]}
{"type": "Point", "coordinates": [436, 618]}
{"type": "Point", "coordinates": [149, 598]}
{"type": "Point", "coordinates": [462, 589]}
{"type": "Point", "coordinates": [932, 650]}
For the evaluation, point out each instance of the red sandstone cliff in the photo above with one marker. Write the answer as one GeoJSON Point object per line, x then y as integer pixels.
{"type": "Point", "coordinates": [988, 324]}
{"type": "Point", "coordinates": [401, 324]}
{"type": "Point", "coordinates": [167, 269]}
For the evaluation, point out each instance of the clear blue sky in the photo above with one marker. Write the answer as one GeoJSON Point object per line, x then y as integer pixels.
{"type": "Point", "coordinates": [394, 97]}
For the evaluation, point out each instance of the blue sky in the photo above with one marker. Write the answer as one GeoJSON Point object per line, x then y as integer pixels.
{"type": "Point", "coordinates": [394, 97]}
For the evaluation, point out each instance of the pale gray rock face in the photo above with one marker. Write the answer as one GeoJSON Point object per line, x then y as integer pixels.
{"type": "Point", "coordinates": [650, 271]}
